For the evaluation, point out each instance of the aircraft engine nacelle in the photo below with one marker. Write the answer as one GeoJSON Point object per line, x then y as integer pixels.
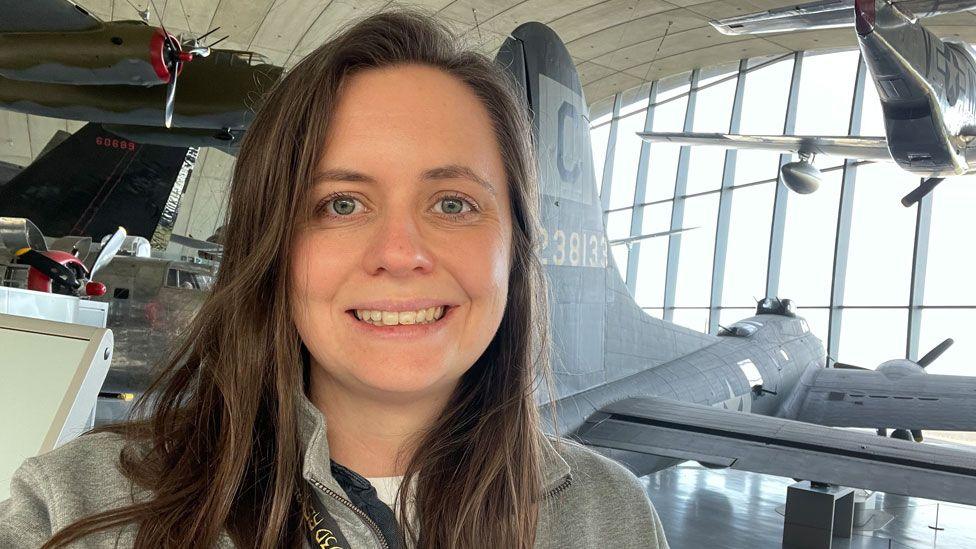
{"type": "Point", "coordinates": [801, 176]}
{"type": "Point", "coordinates": [120, 53]}
{"type": "Point", "coordinates": [899, 368]}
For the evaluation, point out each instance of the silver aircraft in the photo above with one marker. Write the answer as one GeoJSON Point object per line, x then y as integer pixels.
{"type": "Point", "coordinates": [927, 88]}
{"type": "Point", "coordinates": [757, 396]}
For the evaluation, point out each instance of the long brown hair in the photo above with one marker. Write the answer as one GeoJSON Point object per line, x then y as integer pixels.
{"type": "Point", "coordinates": [216, 437]}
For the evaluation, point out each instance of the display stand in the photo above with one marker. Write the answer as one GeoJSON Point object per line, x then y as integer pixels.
{"type": "Point", "coordinates": [815, 513]}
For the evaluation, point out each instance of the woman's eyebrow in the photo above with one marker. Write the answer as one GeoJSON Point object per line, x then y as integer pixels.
{"type": "Point", "coordinates": [456, 171]}
{"type": "Point", "coordinates": [340, 174]}
{"type": "Point", "coordinates": [450, 171]}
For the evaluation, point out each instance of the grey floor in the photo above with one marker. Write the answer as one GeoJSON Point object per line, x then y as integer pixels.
{"type": "Point", "coordinates": [702, 508]}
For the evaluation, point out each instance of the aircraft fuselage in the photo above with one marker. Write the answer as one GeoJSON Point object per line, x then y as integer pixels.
{"type": "Point", "coordinates": [927, 88]}
{"type": "Point", "coordinates": [220, 92]}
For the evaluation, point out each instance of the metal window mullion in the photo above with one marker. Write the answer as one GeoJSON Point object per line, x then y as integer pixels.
{"type": "Point", "coordinates": [725, 206]}
{"type": "Point", "coordinates": [607, 180]}
{"type": "Point", "coordinates": [923, 226]}
{"type": "Point", "coordinates": [845, 210]}
{"type": "Point", "coordinates": [640, 190]}
{"type": "Point", "coordinates": [777, 227]}
{"type": "Point", "coordinates": [678, 209]}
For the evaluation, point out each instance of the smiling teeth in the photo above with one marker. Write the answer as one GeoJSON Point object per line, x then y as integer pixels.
{"type": "Point", "coordinates": [392, 318]}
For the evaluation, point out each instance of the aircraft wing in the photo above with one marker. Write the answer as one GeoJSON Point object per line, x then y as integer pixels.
{"type": "Point", "coordinates": [776, 446]}
{"type": "Point", "coordinates": [866, 398]}
{"type": "Point", "coordinates": [823, 14]}
{"type": "Point", "coordinates": [45, 15]}
{"type": "Point", "coordinates": [862, 148]}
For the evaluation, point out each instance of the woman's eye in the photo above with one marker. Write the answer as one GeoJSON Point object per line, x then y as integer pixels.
{"type": "Point", "coordinates": [346, 206]}
{"type": "Point", "coordinates": [452, 205]}
{"type": "Point", "coordinates": [342, 205]}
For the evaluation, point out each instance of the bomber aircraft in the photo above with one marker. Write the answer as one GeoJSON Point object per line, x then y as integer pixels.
{"type": "Point", "coordinates": [758, 396]}
{"type": "Point", "coordinates": [141, 82]}
{"type": "Point", "coordinates": [927, 88]}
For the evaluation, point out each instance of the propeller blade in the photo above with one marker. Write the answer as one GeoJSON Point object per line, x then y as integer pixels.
{"type": "Point", "coordinates": [171, 94]}
{"type": "Point", "coordinates": [917, 435]}
{"type": "Point", "coordinates": [208, 33]}
{"type": "Point", "coordinates": [920, 191]}
{"type": "Point", "coordinates": [935, 353]}
{"type": "Point", "coordinates": [108, 251]}
{"type": "Point", "coordinates": [218, 41]}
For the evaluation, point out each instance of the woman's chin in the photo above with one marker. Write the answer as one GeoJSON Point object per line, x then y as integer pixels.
{"type": "Point", "coordinates": [408, 382]}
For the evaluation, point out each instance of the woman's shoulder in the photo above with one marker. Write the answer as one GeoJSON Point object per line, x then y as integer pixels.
{"type": "Point", "coordinates": [604, 504]}
{"type": "Point", "coordinates": [589, 466]}
{"type": "Point", "coordinates": [52, 490]}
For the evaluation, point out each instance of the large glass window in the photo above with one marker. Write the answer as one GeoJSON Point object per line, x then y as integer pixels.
{"type": "Point", "coordinates": [626, 153]}
{"type": "Point", "coordinates": [662, 165]}
{"type": "Point", "coordinates": [696, 319]}
{"type": "Point", "coordinates": [871, 319]}
{"type": "Point", "coordinates": [808, 243]}
{"type": "Point", "coordinates": [694, 277]}
{"type": "Point", "coordinates": [713, 112]}
{"type": "Point", "coordinates": [730, 315]}
{"type": "Point", "coordinates": [747, 257]}
{"type": "Point", "coordinates": [879, 263]}
{"type": "Point", "coordinates": [653, 260]}
{"type": "Point", "coordinates": [869, 337]}
{"type": "Point", "coordinates": [598, 142]}
{"type": "Point", "coordinates": [938, 324]}
{"type": "Point", "coordinates": [764, 99]}
{"type": "Point", "coordinates": [826, 93]}
{"type": "Point", "coordinates": [950, 274]}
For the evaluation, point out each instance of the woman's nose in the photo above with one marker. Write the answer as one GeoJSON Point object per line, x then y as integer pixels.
{"type": "Point", "coordinates": [398, 247]}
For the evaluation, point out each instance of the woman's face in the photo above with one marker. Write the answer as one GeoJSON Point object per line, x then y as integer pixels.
{"type": "Point", "coordinates": [400, 276]}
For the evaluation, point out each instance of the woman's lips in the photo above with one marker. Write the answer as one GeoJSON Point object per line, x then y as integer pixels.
{"type": "Point", "coordinates": [402, 331]}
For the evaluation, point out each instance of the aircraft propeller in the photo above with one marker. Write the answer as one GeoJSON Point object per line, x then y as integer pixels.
{"type": "Point", "coordinates": [901, 366]}
{"type": "Point", "coordinates": [175, 54]}
{"type": "Point", "coordinates": [109, 248]}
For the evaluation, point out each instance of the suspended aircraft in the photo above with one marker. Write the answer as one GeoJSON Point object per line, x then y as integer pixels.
{"type": "Point", "coordinates": [141, 82]}
{"type": "Point", "coordinates": [758, 396]}
{"type": "Point", "coordinates": [927, 88]}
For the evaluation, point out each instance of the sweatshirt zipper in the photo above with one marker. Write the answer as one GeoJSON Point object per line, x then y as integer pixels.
{"type": "Point", "coordinates": [369, 522]}
{"type": "Point", "coordinates": [567, 480]}
{"type": "Point", "coordinates": [376, 529]}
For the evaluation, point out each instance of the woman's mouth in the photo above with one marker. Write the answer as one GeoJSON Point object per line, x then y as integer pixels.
{"type": "Point", "coordinates": [402, 325]}
{"type": "Point", "coordinates": [427, 315]}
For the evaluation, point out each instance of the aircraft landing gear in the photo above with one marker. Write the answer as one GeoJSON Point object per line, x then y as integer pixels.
{"type": "Point", "coordinates": [920, 191]}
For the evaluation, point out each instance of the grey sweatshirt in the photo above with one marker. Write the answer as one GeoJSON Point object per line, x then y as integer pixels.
{"type": "Point", "coordinates": [593, 501]}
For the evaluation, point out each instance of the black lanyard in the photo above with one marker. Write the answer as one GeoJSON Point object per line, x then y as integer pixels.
{"type": "Point", "coordinates": [322, 529]}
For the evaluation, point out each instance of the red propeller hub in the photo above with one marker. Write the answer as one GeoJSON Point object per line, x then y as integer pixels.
{"type": "Point", "coordinates": [163, 50]}
{"type": "Point", "coordinates": [95, 289]}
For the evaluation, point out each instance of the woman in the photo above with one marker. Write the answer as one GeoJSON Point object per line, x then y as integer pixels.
{"type": "Point", "coordinates": [376, 323]}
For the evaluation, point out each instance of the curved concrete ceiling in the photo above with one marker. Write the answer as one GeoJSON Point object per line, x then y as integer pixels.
{"type": "Point", "coordinates": [617, 44]}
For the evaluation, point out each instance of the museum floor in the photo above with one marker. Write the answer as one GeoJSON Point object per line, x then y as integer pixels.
{"type": "Point", "coordinates": [702, 508]}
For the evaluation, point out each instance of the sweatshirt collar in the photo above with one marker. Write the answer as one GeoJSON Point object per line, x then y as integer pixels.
{"type": "Point", "coordinates": [316, 463]}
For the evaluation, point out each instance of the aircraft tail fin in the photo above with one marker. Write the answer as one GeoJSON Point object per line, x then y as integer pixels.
{"type": "Point", "coordinates": [92, 182]}
{"type": "Point", "coordinates": [599, 333]}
